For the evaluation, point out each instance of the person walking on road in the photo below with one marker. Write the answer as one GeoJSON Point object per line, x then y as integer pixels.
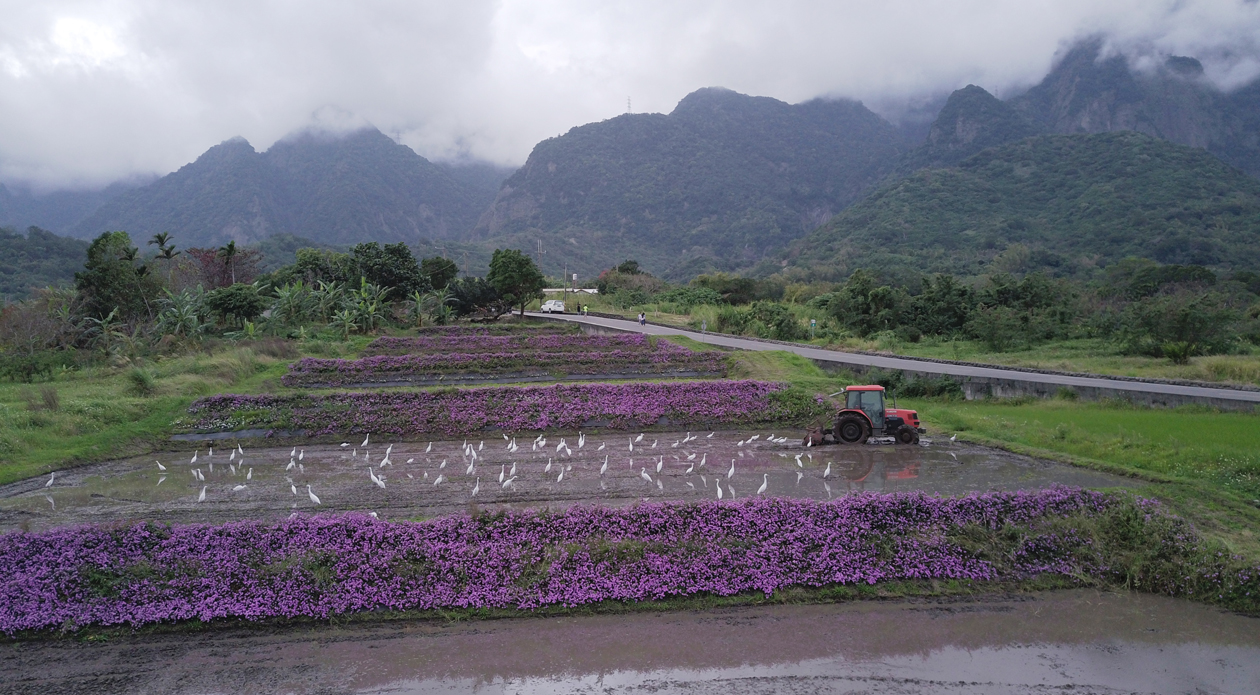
{"type": "Point", "coordinates": [642, 319]}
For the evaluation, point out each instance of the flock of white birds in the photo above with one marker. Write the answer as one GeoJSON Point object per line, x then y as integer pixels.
{"type": "Point", "coordinates": [468, 470]}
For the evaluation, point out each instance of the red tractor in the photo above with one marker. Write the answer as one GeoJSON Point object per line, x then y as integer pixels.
{"type": "Point", "coordinates": [864, 416]}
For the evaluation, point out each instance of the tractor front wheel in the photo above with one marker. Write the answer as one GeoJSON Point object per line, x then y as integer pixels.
{"type": "Point", "coordinates": [907, 435]}
{"type": "Point", "coordinates": [852, 429]}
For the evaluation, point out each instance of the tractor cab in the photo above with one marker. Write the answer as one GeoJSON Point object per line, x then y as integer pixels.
{"type": "Point", "coordinates": [866, 414]}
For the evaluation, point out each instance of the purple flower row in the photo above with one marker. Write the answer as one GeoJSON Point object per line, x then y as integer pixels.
{"type": "Point", "coordinates": [530, 340]}
{"type": "Point", "coordinates": [324, 566]}
{"type": "Point", "coordinates": [668, 358]}
{"type": "Point", "coordinates": [512, 409]}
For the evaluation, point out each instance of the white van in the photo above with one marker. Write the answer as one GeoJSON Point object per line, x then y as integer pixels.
{"type": "Point", "coordinates": [552, 306]}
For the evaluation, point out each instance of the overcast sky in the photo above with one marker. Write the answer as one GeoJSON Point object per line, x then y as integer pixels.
{"type": "Point", "coordinates": [94, 91]}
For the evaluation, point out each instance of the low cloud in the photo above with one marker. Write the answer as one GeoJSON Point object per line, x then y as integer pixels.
{"type": "Point", "coordinates": [91, 92]}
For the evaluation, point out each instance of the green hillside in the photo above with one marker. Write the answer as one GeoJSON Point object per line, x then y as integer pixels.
{"type": "Point", "coordinates": [38, 259]}
{"type": "Point", "coordinates": [1062, 203]}
{"type": "Point", "coordinates": [722, 181]}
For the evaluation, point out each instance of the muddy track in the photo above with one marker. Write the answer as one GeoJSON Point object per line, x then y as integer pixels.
{"type": "Point", "coordinates": [269, 489]}
{"type": "Point", "coordinates": [1052, 642]}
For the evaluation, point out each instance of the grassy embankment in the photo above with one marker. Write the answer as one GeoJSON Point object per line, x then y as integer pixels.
{"type": "Point", "coordinates": [1092, 356]}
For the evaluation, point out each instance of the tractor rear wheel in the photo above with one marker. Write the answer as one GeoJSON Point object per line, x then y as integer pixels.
{"type": "Point", "coordinates": [907, 435]}
{"type": "Point", "coordinates": [852, 429]}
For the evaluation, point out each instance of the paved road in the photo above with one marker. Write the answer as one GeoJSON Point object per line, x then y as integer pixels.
{"type": "Point", "coordinates": [1198, 393]}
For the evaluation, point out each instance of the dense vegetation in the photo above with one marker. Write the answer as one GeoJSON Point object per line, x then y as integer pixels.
{"type": "Point", "coordinates": [39, 259]}
{"type": "Point", "coordinates": [1061, 204]}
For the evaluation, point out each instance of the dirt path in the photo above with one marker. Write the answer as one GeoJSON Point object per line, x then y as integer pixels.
{"type": "Point", "coordinates": [338, 476]}
{"type": "Point", "coordinates": [1052, 642]}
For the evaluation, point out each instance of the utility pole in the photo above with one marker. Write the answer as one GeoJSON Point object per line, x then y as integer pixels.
{"type": "Point", "coordinates": [564, 284]}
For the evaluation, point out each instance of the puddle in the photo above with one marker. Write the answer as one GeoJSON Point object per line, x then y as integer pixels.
{"type": "Point", "coordinates": [1056, 642]}
{"type": "Point", "coordinates": [130, 488]}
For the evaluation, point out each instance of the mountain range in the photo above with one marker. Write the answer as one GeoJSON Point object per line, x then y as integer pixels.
{"type": "Point", "coordinates": [734, 182]}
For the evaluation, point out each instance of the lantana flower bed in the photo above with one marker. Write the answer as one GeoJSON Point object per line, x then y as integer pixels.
{"type": "Point", "coordinates": [540, 355]}
{"type": "Point", "coordinates": [472, 342]}
{"type": "Point", "coordinates": [325, 566]}
{"type": "Point", "coordinates": [511, 408]}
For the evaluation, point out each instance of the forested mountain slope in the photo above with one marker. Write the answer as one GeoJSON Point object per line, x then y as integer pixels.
{"type": "Point", "coordinates": [334, 190]}
{"type": "Point", "coordinates": [1061, 203]}
{"type": "Point", "coordinates": [720, 182]}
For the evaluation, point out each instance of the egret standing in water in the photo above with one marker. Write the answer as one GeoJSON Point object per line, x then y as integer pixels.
{"type": "Point", "coordinates": [312, 495]}
{"type": "Point", "coordinates": [765, 483]}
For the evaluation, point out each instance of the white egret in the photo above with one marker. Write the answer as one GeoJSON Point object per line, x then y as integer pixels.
{"type": "Point", "coordinates": [293, 452]}
{"type": "Point", "coordinates": [481, 446]}
{"type": "Point", "coordinates": [561, 476]}
{"type": "Point", "coordinates": [250, 474]}
{"type": "Point", "coordinates": [293, 488]}
{"type": "Point", "coordinates": [211, 452]}
{"type": "Point", "coordinates": [373, 515]}
{"type": "Point", "coordinates": [302, 454]}
{"type": "Point", "coordinates": [639, 438]}
{"type": "Point", "coordinates": [654, 441]}
{"type": "Point", "coordinates": [660, 464]}
{"type": "Point", "coordinates": [51, 477]}
{"type": "Point", "coordinates": [799, 475]}
{"type": "Point", "coordinates": [765, 483]}
{"type": "Point", "coordinates": [513, 471]}
{"type": "Point", "coordinates": [232, 456]}
{"type": "Point", "coordinates": [345, 444]}
{"type": "Point", "coordinates": [410, 460]}
{"type": "Point", "coordinates": [428, 448]}
{"type": "Point", "coordinates": [690, 468]}
{"type": "Point", "coordinates": [731, 472]}
{"type": "Point", "coordinates": [476, 488]}
{"type": "Point", "coordinates": [631, 445]}
{"type": "Point", "coordinates": [194, 458]}
{"type": "Point", "coordinates": [442, 465]}
{"type": "Point", "coordinates": [502, 474]}
{"type": "Point", "coordinates": [239, 450]}
{"type": "Point", "coordinates": [377, 481]}
{"type": "Point", "coordinates": [798, 461]}
{"type": "Point", "coordinates": [601, 447]}
{"type": "Point", "coordinates": [160, 466]}
{"type": "Point", "coordinates": [312, 495]}
{"type": "Point", "coordinates": [469, 470]}
{"type": "Point", "coordinates": [691, 457]}
{"type": "Point", "coordinates": [675, 444]}
{"type": "Point", "coordinates": [954, 438]}
{"type": "Point", "coordinates": [644, 474]}
{"type": "Point", "coordinates": [202, 496]}
{"type": "Point", "coordinates": [507, 482]}
{"type": "Point", "coordinates": [604, 468]}
{"type": "Point", "coordinates": [827, 473]}
{"type": "Point", "coordinates": [291, 466]}
{"type": "Point", "coordinates": [548, 468]}
{"type": "Point", "coordinates": [704, 458]}
{"type": "Point", "coordinates": [719, 490]}
{"type": "Point", "coordinates": [440, 479]}
{"type": "Point", "coordinates": [365, 440]}
{"type": "Point", "coordinates": [238, 488]}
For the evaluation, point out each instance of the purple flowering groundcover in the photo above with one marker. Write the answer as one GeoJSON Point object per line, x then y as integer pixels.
{"type": "Point", "coordinates": [322, 566]}
{"type": "Point", "coordinates": [401, 360]}
{"type": "Point", "coordinates": [511, 408]}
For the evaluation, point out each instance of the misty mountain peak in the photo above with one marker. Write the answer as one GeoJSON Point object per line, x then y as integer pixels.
{"type": "Point", "coordinates": [971, 120]}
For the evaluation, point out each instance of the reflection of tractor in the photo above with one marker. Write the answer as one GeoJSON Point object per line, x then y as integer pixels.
{"type": "Point", "coordinates": [863, 416]}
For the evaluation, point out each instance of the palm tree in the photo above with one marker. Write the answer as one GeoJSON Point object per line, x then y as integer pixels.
{"type": "Point", "coordinates": [165, 248]}
{"type": "Point", "coordinates": [228, 254]}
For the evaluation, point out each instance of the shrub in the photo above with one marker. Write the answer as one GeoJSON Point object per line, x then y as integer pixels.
{"type": "Point", "coordinates": [142, 381]}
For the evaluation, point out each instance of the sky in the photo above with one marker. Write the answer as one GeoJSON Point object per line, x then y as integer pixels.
{"type": "Point", "coordinates": [99, 91]}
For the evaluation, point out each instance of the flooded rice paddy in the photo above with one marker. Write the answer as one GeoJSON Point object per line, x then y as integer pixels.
{"type": "Point", "coordinates": [1051, 642]}
{"type": "Point", "coordinates": [272, 483]}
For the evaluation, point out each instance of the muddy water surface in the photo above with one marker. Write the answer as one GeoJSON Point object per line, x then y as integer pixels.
{"type": "Point", "coordinates": [266, 486]}
{"type": "Point", "coordinates": [1052, 642]}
